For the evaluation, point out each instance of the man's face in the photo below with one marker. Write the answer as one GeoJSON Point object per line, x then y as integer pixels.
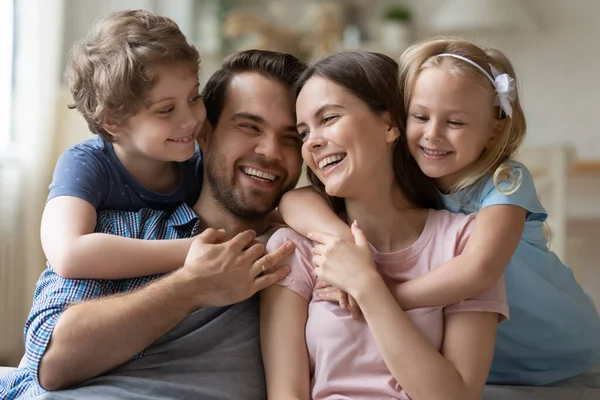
{"type": "Point", "coordinates": [253, 154]}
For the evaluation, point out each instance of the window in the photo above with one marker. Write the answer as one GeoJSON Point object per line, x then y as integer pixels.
{"type": "Point", "coordinates": [6, 68]}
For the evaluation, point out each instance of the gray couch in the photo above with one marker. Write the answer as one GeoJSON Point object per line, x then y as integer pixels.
{"type": "Point", "coordinates": [511, 392]}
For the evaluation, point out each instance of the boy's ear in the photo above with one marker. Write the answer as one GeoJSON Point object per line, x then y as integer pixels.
{"type": "Point", "coordinates": [392, 130]}
{"type": "Point", "coordinates": [113, 127]}
{"type": "Point", "coordinates": [204, 136]}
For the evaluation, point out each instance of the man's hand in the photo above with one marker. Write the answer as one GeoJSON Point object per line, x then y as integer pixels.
{"type": "Point", "coordinates": [324, 291]}
{"type": "Point", "coordinates": [224, 273]}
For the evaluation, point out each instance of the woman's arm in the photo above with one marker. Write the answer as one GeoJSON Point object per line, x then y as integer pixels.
{"type": "Point", "coordinates": [498, 230]}
{"type": "Point", "coordinates": [459, 372]}
{"type": "Point", "coordinates": [75, 252]}
{"type": "Point", "coordinates": [316, 214]}
{"type": "Point", "coordinates": [283, 316]}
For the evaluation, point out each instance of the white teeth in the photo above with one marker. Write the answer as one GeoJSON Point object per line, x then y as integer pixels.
{"type": "Point", "coordinates": [331, 159]}
{"type": "Point", "coordinates": [185, 139]}
{"type": "Point", "coordinates": [434, 152]}
{"type": "Point", "coordinates": [259, 174]}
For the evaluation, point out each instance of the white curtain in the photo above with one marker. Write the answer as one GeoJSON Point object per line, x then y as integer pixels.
{"type": "Point", "coordinates": [39, 38]}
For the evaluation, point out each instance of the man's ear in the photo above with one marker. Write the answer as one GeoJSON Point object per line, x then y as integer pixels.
{"type": "Point", "coordinates": [205, 136]}
{"type": "Point", "coordinates": [113, 127]}
{"type": "Point", "coordinates": [392, 130]}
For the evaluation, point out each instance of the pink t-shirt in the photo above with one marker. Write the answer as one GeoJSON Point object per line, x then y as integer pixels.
{"type": "Point", "coordinates": [344, 359]}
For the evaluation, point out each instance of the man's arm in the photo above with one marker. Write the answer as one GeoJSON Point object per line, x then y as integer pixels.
{"type": "Point", "coordinates": [97, 336]}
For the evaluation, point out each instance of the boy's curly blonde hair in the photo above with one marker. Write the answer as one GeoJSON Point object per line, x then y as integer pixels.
{"type": "Point", "coordinates": [110, 71]}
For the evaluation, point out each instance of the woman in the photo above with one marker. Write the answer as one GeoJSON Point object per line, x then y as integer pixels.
{"type": "Point", "coordinates": [350, 117]}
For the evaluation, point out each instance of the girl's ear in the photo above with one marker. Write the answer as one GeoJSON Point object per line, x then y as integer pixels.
{"type": "Point", "coordinates": [498, 127]}
{"type": "Point", "coordinates": [392, 130]}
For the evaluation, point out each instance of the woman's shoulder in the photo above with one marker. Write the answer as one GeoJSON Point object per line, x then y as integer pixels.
{"type": "Point", "coordinates": [286, 233]}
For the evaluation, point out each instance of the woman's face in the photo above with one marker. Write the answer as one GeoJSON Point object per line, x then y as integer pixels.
{"type": "Point", "coordinates": [346, 144]}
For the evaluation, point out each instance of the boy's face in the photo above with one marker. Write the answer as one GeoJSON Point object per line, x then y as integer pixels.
{"type": "Point", "coordinates": [166, 127]}
{"type": "Point", "coordinates": [253, 155]}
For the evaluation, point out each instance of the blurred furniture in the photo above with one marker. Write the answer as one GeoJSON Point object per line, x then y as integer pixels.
{"type": "Point", "coordinates": [549, 166]}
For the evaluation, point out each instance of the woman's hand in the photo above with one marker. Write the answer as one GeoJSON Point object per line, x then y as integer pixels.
{"type": "Point", "coordinates": [347, 266]}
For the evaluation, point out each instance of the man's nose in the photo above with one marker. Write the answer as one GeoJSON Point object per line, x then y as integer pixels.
{"type": "Point", "coordinates": [270, 147]}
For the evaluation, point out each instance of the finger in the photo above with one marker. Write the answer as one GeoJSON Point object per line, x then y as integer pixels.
{"type": "Point", "coordinates": [269, 261]}
{"type": "Point", "coordinates": [240, 241]}
{"type": "Point", "coordinates": [354, 308]}
{"type": "Point", "coordinates": [321, 237]}
{"type": "Point", "coordinates": [317, 261]}
{"type": "Point", "coordinates": [327, 294]}
{"type": "Point", "coordinates": [270, 278]}
{"type": "Point", "coordinates": [209, 236]}
{"type": "Point", "coordinates": [322, 284]}
{"type": "Point", "coordinates": [343, 299]}
{"type": "Point", "coordinates": [254, 252]}
{"type": "Point", "coordinates": [359, 236]}
{"type": "Point", "coordinates": [319, 249]}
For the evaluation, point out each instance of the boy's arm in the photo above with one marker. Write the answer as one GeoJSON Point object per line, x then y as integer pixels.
{"type": "Point", "coordinates": [495, 237]}
{"type": "Point", "coordinates": [304, 210]}
{"type": "Point", "coordinates": [76, 252]}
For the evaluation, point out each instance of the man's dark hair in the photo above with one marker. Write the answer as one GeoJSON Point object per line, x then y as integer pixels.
{"type": "Point", "coordinates": [282, 67]}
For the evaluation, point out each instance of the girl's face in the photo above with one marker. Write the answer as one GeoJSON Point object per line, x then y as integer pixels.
{"type": "Point", "coordinates": [450, 123]}
{"type": "Point", "coordinates": [346, 144]}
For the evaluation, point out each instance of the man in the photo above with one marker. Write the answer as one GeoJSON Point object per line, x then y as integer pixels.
{"type": "Point", "coordinates": [193, 333]}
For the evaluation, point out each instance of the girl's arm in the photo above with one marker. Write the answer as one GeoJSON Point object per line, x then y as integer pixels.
{"type": "Point", "coordinates": [304, 210]}
{"type": "Point", "coordinates": [76, 252]}
{"type": "Point", "coordinates": [459, 372]}
{"type": "Point", "coordinates": [495, 237]}
{"type": "Point", "coordinates": [283, 316]}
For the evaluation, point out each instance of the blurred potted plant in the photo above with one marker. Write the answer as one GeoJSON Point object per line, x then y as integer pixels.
{"type": "Point", "coordinates": [396, 28]}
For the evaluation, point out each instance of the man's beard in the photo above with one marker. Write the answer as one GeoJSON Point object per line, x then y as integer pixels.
{"type": "Point", "coordinates": [228, 195]}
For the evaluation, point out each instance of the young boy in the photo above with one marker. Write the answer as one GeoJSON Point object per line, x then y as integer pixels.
{"type": "Point", "coordinates": [134, 79]}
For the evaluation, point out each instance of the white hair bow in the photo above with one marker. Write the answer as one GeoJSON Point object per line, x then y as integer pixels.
{"type": "Point", "coordinates": [504, 84]}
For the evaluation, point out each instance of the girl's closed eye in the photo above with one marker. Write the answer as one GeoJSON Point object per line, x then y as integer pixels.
{"type": "Point", "coordinates": [455, 123]}
{"type": "Point", "coordinates": [194, 99]}
{"type": "Point", "coordinates": [420, 117]}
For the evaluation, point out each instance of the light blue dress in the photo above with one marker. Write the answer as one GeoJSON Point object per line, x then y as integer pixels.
{"type": "Point", "coordinates": [554, 328]}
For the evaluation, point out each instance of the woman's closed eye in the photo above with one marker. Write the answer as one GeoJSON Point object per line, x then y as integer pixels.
{"type": "Point", "coordinates": [303, 134]}
{"type": "Point", "coordinates": [328, 119]}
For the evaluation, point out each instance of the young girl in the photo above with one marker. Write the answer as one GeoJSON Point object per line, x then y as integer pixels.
{"type": "Point", "coordinates": [464, 125]}
{"type": "Point", "coordinates": [135, 81]}
{"type": "Point", "coordinates": [354, 142]}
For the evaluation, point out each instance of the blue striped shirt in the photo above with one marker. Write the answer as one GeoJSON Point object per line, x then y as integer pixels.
{"type": "Point", "coordinates": [53, 294]}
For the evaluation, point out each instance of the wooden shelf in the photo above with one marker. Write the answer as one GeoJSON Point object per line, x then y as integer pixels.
{"type": "Point", "coordinates": [586, 168]}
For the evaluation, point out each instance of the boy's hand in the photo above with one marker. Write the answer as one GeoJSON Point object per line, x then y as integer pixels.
{"type": "Point", "coordinates": [324, 291]}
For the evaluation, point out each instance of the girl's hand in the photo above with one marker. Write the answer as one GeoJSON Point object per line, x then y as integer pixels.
{"type": "Point", "coordinates": [347, 266]}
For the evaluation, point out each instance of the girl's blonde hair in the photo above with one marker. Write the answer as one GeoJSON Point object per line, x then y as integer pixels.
{"type": "Point", "coordinates": [493, 160]}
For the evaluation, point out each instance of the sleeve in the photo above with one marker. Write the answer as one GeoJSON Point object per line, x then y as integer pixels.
{"type": "Point", "coordinates": [492, 300]}
{"type": "Point", "coordinates": [52, 296]}
{"type": "Point", "coordinates": [524, 196]}
{"type": "Point", "coordinates": [302, 278]}
{"type": "Point", "coordinates": [80, 173]}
